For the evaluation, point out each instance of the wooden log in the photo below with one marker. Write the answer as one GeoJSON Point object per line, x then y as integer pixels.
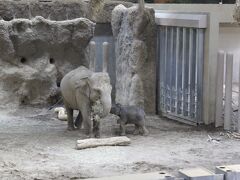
{"type": "Point", "coordinates": [92, 143]}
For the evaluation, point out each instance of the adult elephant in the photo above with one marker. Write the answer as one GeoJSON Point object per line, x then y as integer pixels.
{"type": "Point", "coordinates": [81, 89]}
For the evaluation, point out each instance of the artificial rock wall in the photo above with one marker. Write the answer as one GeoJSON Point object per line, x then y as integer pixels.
{"type": "Point", "coordinates": [236, 13]}
{"type": "Point", "coordinates": [134, 33]}
{"type": "Point", "coordinates": [42, 40]}
{"type": "Point", "coordinates": [35, 54]}
{"type": "Point", "coordinates": [98, 11]}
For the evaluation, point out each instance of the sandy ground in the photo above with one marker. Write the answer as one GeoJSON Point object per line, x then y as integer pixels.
{"type": "Point", "coordinates": [34, 146]}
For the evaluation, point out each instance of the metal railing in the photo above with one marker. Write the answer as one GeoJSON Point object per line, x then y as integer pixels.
{"type": "Point", "coordinates": [180, 66]}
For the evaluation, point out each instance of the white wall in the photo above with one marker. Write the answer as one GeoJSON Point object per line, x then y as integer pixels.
{"type": "Point", "coordinates": [229, 41]}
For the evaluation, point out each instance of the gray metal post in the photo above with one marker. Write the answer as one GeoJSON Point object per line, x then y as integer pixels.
{"type": "Point", "coordinates": [193, 65]}
{"type": "Point", "coordinates": [228, 92]}
{"type": "Point", "coordinates": [200, 60]}
{"type": "Point", "coordinates": [238, 125]}
{"type": "Point", "coordinates": [177, 69]}
{"type": "Point", "coordinates": [185, 72]}
{"type": "Point", "coordinates": [105, 56]}
{"type": "Point", "coordinates": [165, 68]}
{"type": "Point", "coordinates": [219, 94]}
{"type": "Point", "coordinates": [92, 64]}
{"type": "Point", "coordinates": [171, 71]}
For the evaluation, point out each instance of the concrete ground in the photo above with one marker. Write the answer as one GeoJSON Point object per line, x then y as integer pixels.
{"type": "Point", "coordinates": [34, 144]}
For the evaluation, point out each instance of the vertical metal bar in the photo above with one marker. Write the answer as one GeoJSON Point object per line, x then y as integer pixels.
{"type": "Point", "coordinates": [158, 78]}
{"type": "Point", "coordinates": [165, 67]}
{"type": "Point", "coordinates": [228, 92]}
{"type": "Point", "coordinates": [186, 74]}
{"type": "Point", "coordinates": [191, 60]}
{"type": "Point", "coordinates": [219, 93]}
{"type": "Point", "coordinates": [180, 72]}
{"type": "Point", "coordinates": [200, 60]}
{"type": "Point", "coordinates": [238, 126]}
{"type": "Point", "coordinates": [197, 76]}
{"type": "Point", "coordinates": [174, 70]}
{"type": "Point", "coordinates": [183, 68]}
{"type": "Point", "coordinates": [171, 70]}
{"type": "Point", "coordinates": [105, 54]}
{"type": "Point", "coordinates": [92, 64]}
{"type": "Point", "coordinates": [192, 74]}
{"type": "Point", "coordinates": [177, 69]}
{"type": "Point", "coordinates": [157, 72]}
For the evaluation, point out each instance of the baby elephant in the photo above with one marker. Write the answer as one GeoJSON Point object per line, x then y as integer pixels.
{"type": "Point", "coordinates": [130, 115]}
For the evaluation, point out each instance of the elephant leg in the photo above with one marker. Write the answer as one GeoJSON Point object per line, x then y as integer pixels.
{"type": "Point", "coordinates": [70, 118]}
{"type": "Point", "coordinates": [78, 121]}
{"type": "Point", "coordinates": [122, 128]}
{"type": "Point", "coordinates": [96, 129]}
{"type": "Point", "coordinates": [88, 124]}
{"type": "Point", "coordinates": [136, 130]}
{"type": "Point", "coordinates": [145, 131]}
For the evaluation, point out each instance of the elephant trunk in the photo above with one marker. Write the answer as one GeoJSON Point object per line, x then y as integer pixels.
{"type": "Point", "coordinates": [107, 104]}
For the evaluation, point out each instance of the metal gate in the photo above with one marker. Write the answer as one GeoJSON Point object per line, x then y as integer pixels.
{"type": "Point", "coordinates": [180, 73]}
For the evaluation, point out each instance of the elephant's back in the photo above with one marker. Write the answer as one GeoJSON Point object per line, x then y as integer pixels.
{"type": "Point", "coordinates": [70, 83]}
{"type": "Point", "coordinates": [79, 73]}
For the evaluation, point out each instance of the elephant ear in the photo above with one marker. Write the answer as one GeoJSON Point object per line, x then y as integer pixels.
{"type": "Point", "coordinates": [82, 86]}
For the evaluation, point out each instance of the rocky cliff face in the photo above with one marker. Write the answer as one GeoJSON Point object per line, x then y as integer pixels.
{"type": "Point", "coordinates": [134, 32]}
{"type": "Point", "coordinates": [98, 11]}
{"type": "Point", "coordinates": [236, 13]}
{"type": "Point", "coordinates": [35, 54]}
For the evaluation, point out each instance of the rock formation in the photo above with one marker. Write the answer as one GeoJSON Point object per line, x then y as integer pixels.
{"type": "Point", "coordinates": [236, 13]}
{"type": "Point", "coordinates": [96, 10]}
{"type": "Point", "coordinates": [35, 54]}
{"type": "Point", "coordinates": [134, 32]}
{"type": "Point", "coordinates": [100, 10]}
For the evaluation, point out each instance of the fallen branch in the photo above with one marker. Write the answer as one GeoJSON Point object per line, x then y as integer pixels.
{"type": "Point", "coordinates": [92, 143]}
{"type": "Point", "coordinates": [213, 140]}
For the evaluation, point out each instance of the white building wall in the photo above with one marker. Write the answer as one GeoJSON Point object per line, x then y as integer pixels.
{"type": "Point", "coordinates": [229, 41]}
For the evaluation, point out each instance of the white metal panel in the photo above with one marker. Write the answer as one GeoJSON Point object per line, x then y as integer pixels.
{"type": "Point", "coordinates": [181, 19]}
